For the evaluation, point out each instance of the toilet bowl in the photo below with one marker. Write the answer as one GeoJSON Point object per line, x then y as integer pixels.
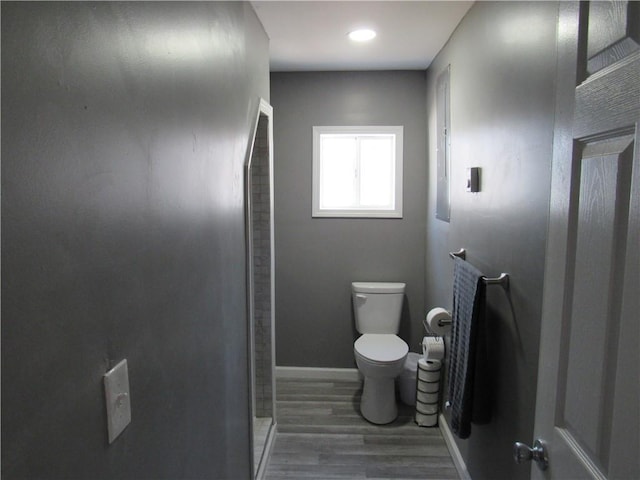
{"type": "Point", "coordinates": [380, 358]}
{"type": "Point", "coordinates": [379, 352]}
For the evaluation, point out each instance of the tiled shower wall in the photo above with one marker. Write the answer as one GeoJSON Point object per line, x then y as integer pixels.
{"type": "Point", "coordinates": [261, 231]}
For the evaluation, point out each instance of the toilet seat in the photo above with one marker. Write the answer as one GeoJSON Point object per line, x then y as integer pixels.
{"type": "Point", "coordinates": [381, 348]}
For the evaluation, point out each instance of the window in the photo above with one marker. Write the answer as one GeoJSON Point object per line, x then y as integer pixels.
{"type": "Point", "coordinates": [357, 172]}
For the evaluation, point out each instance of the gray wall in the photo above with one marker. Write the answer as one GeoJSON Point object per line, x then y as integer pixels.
{"type": "Point", "coordinates": [317, 259]}
{"type": "Point", "coordinates": [124, 132]}
{"type": "Point", "coordinates": [502, 58]}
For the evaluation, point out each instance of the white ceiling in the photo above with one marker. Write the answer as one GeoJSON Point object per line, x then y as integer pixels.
{"type": "Point", "coordinates": [312, 35]}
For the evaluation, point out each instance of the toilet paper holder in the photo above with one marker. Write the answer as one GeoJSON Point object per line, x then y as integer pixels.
{"type": "Point", "coordinates": [502, 280]}
{"type": "Point", "coordinates": [443, 322]}
{"type": "Point", "coordinates": [437, 322]}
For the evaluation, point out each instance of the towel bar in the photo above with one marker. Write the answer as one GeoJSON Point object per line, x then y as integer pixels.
{"type": "Point", "coordinates": [503, 279]}
{"type": "Point", "coordinates": [462, 253]}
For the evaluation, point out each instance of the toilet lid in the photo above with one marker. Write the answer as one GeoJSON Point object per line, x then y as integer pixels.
{"type": "Point", "coordinates": [381, 347]}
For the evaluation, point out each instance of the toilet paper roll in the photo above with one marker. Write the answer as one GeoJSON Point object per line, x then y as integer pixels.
{"type": "Point", "coordinates": [426, 420]}
{"type": "Point", "coordinates": [428, 377]}
{"type": "Point", "coordinates": [438, 321]}
{"type": "Point", "coordinates": [429, 365]}
{"type": "Point", "coordinates": [427, 408]}
{"type": "Point", "coordinates": [432, 348]}
{"type": "Point", "coordinates": [427, 387]}
{"type": "Point", "coordinates": [426, 397]}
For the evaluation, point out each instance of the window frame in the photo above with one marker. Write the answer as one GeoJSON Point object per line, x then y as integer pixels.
{"type": "Point", "coordinates": [359, 212]}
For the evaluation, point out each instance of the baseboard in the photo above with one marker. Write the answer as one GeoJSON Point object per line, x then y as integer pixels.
{"type": "Point", "coordinates": [350, 374]}
{"type": "Point", "coordinates": [454, 451]}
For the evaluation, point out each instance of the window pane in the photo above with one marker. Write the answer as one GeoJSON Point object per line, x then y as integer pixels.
{"type": "Point", "coordinates": [376, 171]}
{"type": "Point", "coordinates": [337, 171]}
{"type": "Point", "coordinates": [357, 171]}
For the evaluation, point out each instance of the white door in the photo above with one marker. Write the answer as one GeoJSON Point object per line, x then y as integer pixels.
{"type": "Point", "coordinates": [588, 400]}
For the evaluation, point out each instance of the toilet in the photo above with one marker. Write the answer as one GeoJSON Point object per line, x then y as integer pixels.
{"type": "Point", "coordinates": [379, 352]}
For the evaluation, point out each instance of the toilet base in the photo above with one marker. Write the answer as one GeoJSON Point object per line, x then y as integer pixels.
{"type": "Point", "coordinates": [378, 402]}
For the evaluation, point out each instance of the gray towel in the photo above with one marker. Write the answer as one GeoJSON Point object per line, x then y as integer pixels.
{"type": "Point", "coordinates": [466, 345]}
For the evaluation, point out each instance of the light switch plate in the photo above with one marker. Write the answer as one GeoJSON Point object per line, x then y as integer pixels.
{"type": "Point", "coordinates": [473, 179]}
{"type": "Point", "coordinates": [116, 390]}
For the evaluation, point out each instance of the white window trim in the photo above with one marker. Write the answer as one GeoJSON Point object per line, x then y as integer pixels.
{"type": "Point", "coordinates": [396, 212]}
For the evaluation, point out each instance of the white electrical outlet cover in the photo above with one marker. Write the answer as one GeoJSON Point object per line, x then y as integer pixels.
{"type": "Point", "coordinates": [116, 390]}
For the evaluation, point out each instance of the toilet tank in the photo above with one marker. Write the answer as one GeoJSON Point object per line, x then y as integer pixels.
{"type": "Point", "coordinates": [377, 306]}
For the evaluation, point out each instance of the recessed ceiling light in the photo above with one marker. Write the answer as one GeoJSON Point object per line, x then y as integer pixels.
{"type": "Point", "coordinates": [363, 35]}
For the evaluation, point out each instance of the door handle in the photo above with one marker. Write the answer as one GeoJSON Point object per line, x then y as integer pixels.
{"type": "Point", "coordinates": [524, 453]}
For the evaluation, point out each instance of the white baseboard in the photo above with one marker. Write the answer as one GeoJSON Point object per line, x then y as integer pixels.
{"type": "Point", "coordinates": [454, 451]}
{"type": "Point", "coordinates": [351, 374]}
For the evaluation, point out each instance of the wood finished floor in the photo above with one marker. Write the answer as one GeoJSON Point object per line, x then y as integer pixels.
{"type": "Point", "coordinates": [321, 435]}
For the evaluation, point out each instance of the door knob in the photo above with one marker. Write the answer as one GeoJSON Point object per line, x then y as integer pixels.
{"type": "Point", "coordinates": [524, 453]}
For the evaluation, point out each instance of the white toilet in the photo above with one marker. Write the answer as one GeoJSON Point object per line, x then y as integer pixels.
{"type": "Point", "coordinates": [379, 352]}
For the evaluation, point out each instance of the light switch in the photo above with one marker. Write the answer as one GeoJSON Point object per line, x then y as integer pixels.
{"type": "Point", "coordinates": [116, 390]}
{"type": "Point", "coordinates": [473, 179]}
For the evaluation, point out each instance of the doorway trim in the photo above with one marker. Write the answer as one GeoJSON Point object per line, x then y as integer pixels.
{"type": "Point", "coordinates": [260, 451]}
